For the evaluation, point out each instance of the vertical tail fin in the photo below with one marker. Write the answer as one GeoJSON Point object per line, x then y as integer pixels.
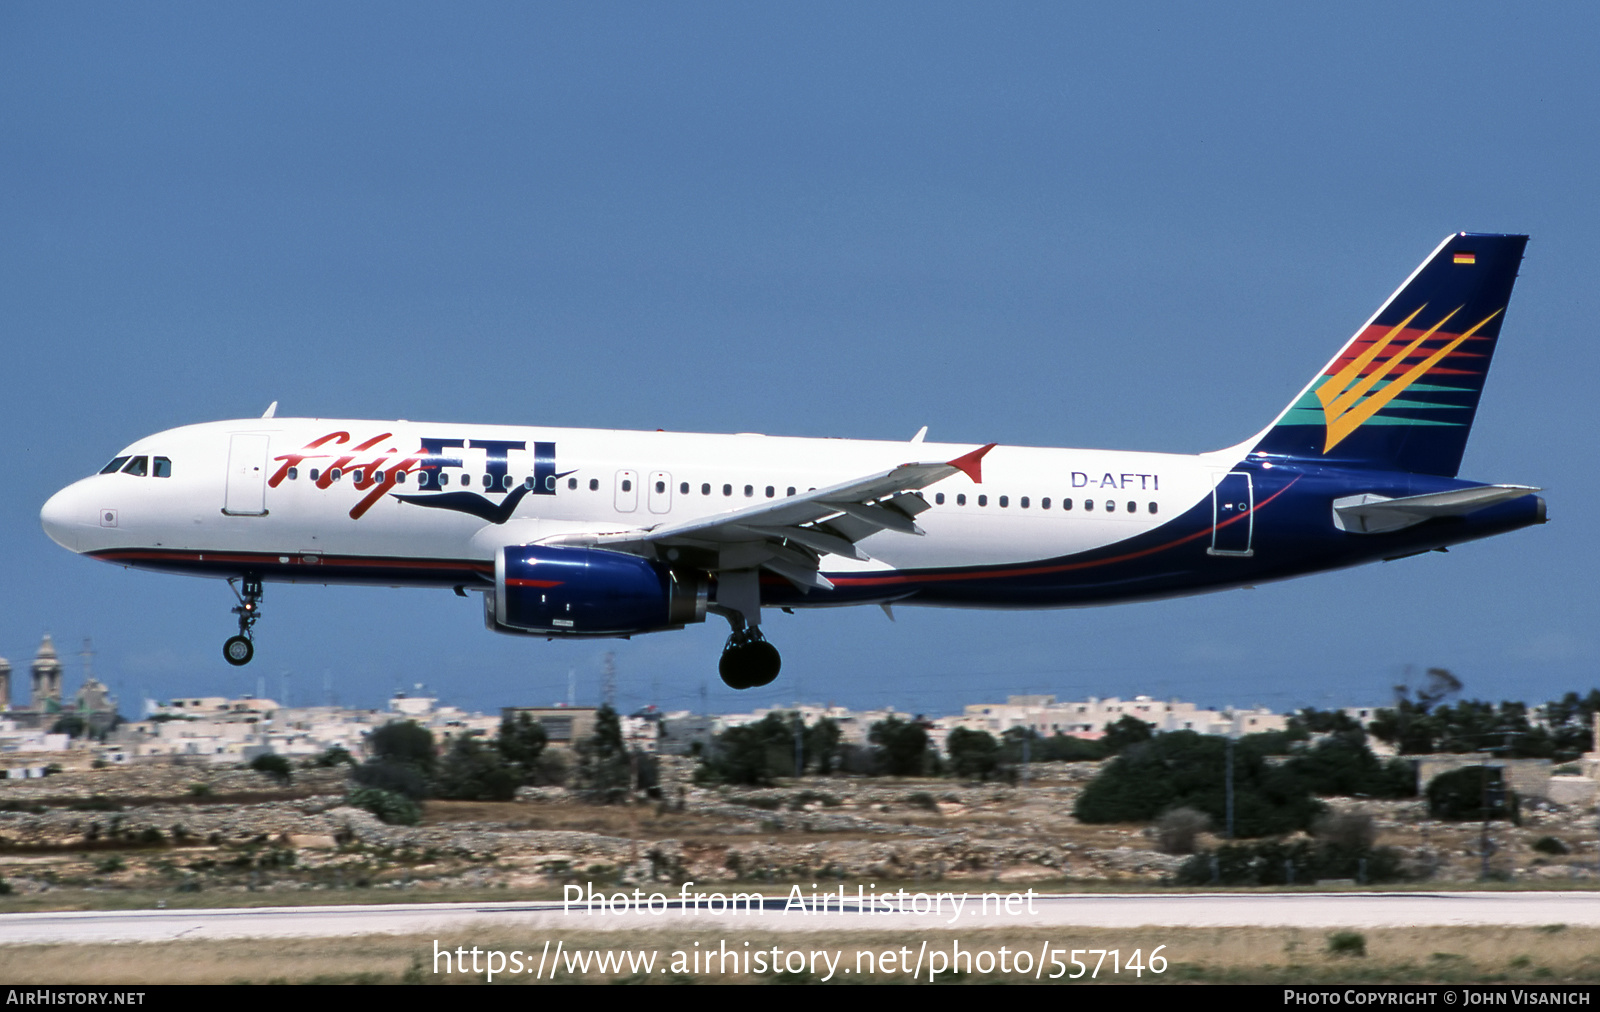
{"type": "Point", "coordinates": [1402, 394]}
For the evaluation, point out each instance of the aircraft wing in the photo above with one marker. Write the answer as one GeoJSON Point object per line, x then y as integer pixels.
{"type": "Point", "coordinates": [789, 536]}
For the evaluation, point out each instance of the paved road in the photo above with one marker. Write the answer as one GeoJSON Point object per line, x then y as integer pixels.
{"type": "Point", "coordinates": [1305, 910]}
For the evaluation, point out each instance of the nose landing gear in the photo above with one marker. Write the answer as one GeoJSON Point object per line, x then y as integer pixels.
{"type": "Point", "coordinates": [239, 649]}
{"type": "Point", "coordinates": [748, 660]}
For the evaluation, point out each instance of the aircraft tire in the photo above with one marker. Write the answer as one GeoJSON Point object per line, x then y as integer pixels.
{"type": "Point", "coordinates": [749, 665]}
{"type": "Point", "coordinates": [238, 650]}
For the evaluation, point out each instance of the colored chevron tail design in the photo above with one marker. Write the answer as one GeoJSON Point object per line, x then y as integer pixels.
{"type": "Point", "coordinates": [1402, 393]}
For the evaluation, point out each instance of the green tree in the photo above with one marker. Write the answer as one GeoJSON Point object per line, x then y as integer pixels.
{"type": "Point", "coordinates": [903, 745]}
{"type": "Point", "coordinates": [404, 741]}
{"type": "Point", "coordinates": [474, 771]}
{"type": "Point", "coordinates": [603, 773]}
{"type": "Point", "coordinates": [753, 754]}
{"type": "Point", "coordinates": [1184, 769]}
{"type": "Point", "coordinates": [1311, 720]}
{"type": "Point", "coordinates": [522, 742]}
{"type": "Point", "coordinates": [1462, 793]}
{"type": "Point", "coordinates": [402, 762]}
{"type": "Point", "coordinates": [1129, 730]}
{"type": "Point", "coordinates": [1342, 765]}
{"type": "Point", "coordinates": [972, 753]}
{"type": "Point", "coordinates": [822, 745]}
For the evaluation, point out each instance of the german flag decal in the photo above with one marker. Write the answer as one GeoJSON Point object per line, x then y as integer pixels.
{"type": "Point", "coordinates": [1465, 256]}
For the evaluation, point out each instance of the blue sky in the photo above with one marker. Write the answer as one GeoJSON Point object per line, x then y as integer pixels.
{"type": "Point", "coordinates": [1137, 226]}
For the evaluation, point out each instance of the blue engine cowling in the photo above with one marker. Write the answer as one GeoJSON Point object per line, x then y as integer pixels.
{"type": "Point", "coordinates": [555, 591]}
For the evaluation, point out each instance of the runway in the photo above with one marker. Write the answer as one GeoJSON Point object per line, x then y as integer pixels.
{"type": "Point", "coordinates": [1191, 910]}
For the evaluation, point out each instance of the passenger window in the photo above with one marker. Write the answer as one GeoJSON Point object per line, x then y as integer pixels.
{"type": "Point", "coordinates": [1024, 502]}
{"type": "Point", "coordinates": [444, 478]}
{"type": "Point", "coordinates": [334, 474]}
{"type": "Point", "coordinates": [1044, 503]}
{"type": "Point", "coordinates": [938, 498]}
{"type": "Point", "coordinates": [727, 490]}
{"type": "Point", "coordinates": [983, 500]}
{"type": "Point", "coordinates": [1152, 509]}
{"type": "Point", "coordinates": [683, 488]}
{"type": "Point", "coordinates": [163, 467]}
{"type": "Point", "coordinates": [1005, 501]}
{"type": "Point", "coordinates": [355, 475]}
{"type": "Point", "coordinates": [705, 488]}
{"type": "Point", "coordinates": [771, 491]}
{"type": "Point", "coordinates": [313, 474]}
{"type": "Point", "coordinates": [292, 473]}
{"type": "Point", "coordinates": [138, 466]}
{"type": "Point", "coordinates": [1111, 506]}
{"type": "Point", "coordinates": [399, 477]}
{"type": "Point", "coordinates": [749, 490]}
{"type": "Point", "coordinates": [627, 485]}
{"type": "Point", "coordinates": [661, 487]}
{"type": "Point", "coordinates": [1088, 505]}
{"type": "Point", "coordinates": [594, 484]}
{"type": "Point", "coordinates": [1133, 507]}
{"type": "Point", "coordinates": [791, 490]}
{"type": "Point", "coordinates": [549, 482]}
{"type": "Point", "coordinates": [961, 498]}
{"type": "Point", "coordinates": [114, 466]}
{"type": "Point", "coordinates": [572, 483]}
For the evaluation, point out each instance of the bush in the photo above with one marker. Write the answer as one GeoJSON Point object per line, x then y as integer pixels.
{"type": "Point", "coordinates": [395, 777]}
{"type": "Point", "coordinates": [1460, 795]}
{"type": "Point", "coordinates": [474, 772]}
{"type": "Point", "coordinates": [1182, 769]}
{"type": "Point", "coordinates": [1347, 943]}
{"type": "Point", "coordinates": [1552, 846]}
{"type": "Point", "coordinates": [389, 806]}
{"type": "Point", "coordinates": [274, 766]}
{"type": "Point", "coordinates": [1178, 830]}
{"type": "Point", "coordinates": [336, 755]}
{"type": "Point", "coordinates": [1277, 862]}
{"type": "Point", "coordinates": [1350, 830]}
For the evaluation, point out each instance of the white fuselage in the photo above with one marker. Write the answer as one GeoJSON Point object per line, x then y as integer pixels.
{"type": "Point", "coordinates": [1033, 503]}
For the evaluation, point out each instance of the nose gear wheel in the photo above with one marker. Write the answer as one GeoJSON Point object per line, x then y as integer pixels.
{"type": "Point", "coordinates": [238, 650]}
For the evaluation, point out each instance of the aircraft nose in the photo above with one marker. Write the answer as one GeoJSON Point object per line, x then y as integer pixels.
{"type": "Point", "coordinates": [62, 515]}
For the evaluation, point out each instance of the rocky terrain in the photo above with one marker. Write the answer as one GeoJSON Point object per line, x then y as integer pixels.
{"type": "Point", "coordinates": [195, 829]}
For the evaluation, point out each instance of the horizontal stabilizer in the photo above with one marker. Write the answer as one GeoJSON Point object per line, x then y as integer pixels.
{"type": "Point", "coordinates": [1376, 514]}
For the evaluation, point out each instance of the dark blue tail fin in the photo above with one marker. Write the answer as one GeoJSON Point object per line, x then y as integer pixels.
{"type": "Point", "coordinates": [1401, 396]}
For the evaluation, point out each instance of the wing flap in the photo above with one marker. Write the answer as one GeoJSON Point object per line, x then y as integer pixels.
{"type": "Point", "coordinates": [788, 536]}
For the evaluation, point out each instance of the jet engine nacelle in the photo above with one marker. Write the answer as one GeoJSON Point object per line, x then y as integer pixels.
{"type": "Point", "coordinates": [556, 591]}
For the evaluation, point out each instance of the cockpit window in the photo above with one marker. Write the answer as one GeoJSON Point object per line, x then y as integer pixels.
{"type": "Point", "coordinates": [114, 466]}
{"type": "Point", "coordinates": [163, 467]}
{"type": "Point", "coordinates": [139, 466]}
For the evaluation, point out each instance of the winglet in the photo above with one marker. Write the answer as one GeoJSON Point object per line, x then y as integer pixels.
{"type": "Point", "coordinates": [972, 463]}
{"type": "Point", "coordinates": [272, 409]}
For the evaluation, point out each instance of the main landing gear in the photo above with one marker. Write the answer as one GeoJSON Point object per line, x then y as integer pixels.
{"type": "Point", "coordinates": [748, 660]}
{"type": "Point", "coordinates": [239, 649]}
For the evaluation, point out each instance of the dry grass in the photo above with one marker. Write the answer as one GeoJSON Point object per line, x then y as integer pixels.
{"type": "Point", "coordinates": [1253, 955]}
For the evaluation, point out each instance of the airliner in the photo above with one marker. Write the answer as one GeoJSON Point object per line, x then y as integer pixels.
{"type": "Point", "coordinates": [602, 533]}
